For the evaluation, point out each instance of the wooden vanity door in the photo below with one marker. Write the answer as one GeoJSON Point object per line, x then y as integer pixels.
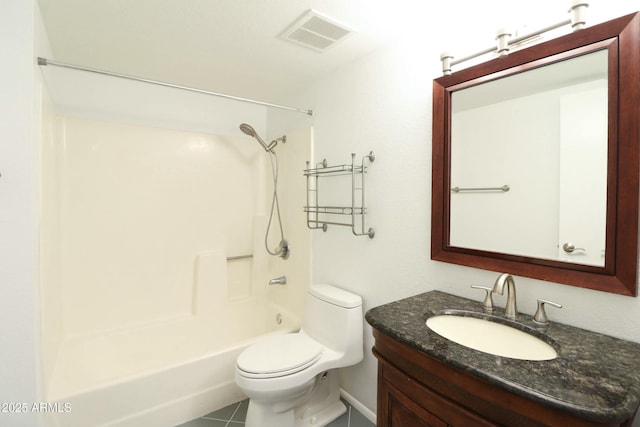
{"type": "Point", "coordinates": [403, 402]}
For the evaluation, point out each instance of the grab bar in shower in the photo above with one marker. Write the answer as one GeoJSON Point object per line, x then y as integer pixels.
{"type": "Point", "coordinates": [504, 189]}
{"type": "Point", "coordinates": [233, 258]}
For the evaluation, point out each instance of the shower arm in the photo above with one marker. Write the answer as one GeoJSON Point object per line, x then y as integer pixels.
{"type": "Point", "coordinates": [275, 142]}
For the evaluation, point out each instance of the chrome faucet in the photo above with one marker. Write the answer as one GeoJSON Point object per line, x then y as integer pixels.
{"type": "Point", "coordinates": [282, 280]}
{"type": "Point", "coordinates": [510, 309]}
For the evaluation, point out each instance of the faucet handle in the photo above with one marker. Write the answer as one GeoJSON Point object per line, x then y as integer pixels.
{"type": "Point", "coordinates": [487, 304]}
{"type": "Point", "coordinates": [541, 316]}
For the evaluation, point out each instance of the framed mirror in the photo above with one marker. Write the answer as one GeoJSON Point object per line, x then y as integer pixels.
{"type": "Point", "coordinates": [536, 161]}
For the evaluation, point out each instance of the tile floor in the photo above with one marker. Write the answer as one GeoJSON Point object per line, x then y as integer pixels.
{"type": "Point", "coordinates": [234, 415]}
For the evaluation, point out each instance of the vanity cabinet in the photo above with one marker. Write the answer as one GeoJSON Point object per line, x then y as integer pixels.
{"type": "Point", "coordinates": [403, 401]}
{"type": "Point", "coordinates": [417, 390]}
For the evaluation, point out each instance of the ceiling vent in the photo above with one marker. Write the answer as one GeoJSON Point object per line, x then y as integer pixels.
{"type": "Point", "coordinates": [316, 31]}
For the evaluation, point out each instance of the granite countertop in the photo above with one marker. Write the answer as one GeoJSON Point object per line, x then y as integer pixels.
{"type": "Point", "coordinates": [594, 376]}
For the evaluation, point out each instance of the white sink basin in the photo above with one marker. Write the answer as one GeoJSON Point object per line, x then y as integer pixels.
{"type": "Point", "coordinates": [491, 337]}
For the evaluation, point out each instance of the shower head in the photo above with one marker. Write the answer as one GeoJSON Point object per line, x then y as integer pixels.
{"type": "Point", "coordinates": [247, 129]}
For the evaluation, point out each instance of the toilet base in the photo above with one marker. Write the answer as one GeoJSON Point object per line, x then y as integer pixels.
{"type": "Point", "coordinates": [261, 415]}
{"type": "Point", "coordinates": [324, 417]}
{"type": "Point", "coordinates": [317, 408]}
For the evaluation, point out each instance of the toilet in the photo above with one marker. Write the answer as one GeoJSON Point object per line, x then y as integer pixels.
{"type": "Point", "coordinates": [291, 379]}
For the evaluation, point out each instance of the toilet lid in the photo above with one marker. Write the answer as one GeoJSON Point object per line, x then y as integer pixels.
{"type": "Point", "coordinates": [280, 355]}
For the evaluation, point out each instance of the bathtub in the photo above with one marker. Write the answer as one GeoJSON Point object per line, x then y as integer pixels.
{"type": "Point", "coordinates": [158, 375]}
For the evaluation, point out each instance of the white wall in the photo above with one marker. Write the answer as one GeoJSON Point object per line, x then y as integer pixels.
{"type": "Point", "coordinates": [18, 221]}
{"type": "Point", "coordinates": [383, 103]}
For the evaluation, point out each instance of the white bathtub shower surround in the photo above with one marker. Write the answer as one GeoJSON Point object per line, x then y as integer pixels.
{"type": "Point", "coordinates": [149, 312]}
{"type": "Point", "coordinates": [160, 375]}
{"type": "Point", "coordinates": [136, 205]}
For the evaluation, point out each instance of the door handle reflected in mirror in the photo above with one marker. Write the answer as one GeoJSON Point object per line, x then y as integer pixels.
{"type": "Point", "coordinates": [570, 247]}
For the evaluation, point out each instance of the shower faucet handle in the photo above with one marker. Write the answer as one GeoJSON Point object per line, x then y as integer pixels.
{"type": "Point", "coordinates": [487, 304]}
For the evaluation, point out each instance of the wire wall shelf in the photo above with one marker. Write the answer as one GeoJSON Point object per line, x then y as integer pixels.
{"type": "Point", "coordinates": [321, 216]}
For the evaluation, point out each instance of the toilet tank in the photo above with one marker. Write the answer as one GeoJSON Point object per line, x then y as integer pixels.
{"type": "Point", "coordinates": [333, 317]}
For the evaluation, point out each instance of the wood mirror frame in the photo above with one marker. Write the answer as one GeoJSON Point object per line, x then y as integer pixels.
{"type": "Point", "coordinates": [621, 37]}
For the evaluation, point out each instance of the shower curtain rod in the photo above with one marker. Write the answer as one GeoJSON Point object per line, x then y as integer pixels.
{"type": "Point", "coordinates": [45, 61]}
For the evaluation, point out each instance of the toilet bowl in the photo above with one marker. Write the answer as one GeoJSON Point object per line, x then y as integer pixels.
{"type": "Point", "coordinates": [291, 380]}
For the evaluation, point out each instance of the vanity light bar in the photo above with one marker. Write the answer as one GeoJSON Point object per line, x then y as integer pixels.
{"type": "Point", "coordinates": [503, 37]}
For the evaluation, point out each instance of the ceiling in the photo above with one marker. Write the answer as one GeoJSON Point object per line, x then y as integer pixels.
{"type": "Point", "coordinates": [228, 46]}
{"type": "Point", "coordinates": [233, 46]}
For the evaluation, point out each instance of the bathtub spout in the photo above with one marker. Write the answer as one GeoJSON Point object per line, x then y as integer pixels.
{"type": "Point", "coordinates": [282, 280]}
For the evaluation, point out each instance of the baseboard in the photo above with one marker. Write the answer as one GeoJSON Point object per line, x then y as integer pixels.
{"type": "Point", "coordinates": [368, 413]}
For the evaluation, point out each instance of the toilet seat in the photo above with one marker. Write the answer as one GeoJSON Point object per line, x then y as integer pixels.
{"type": "Point", "coordinates": [279, 356]}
